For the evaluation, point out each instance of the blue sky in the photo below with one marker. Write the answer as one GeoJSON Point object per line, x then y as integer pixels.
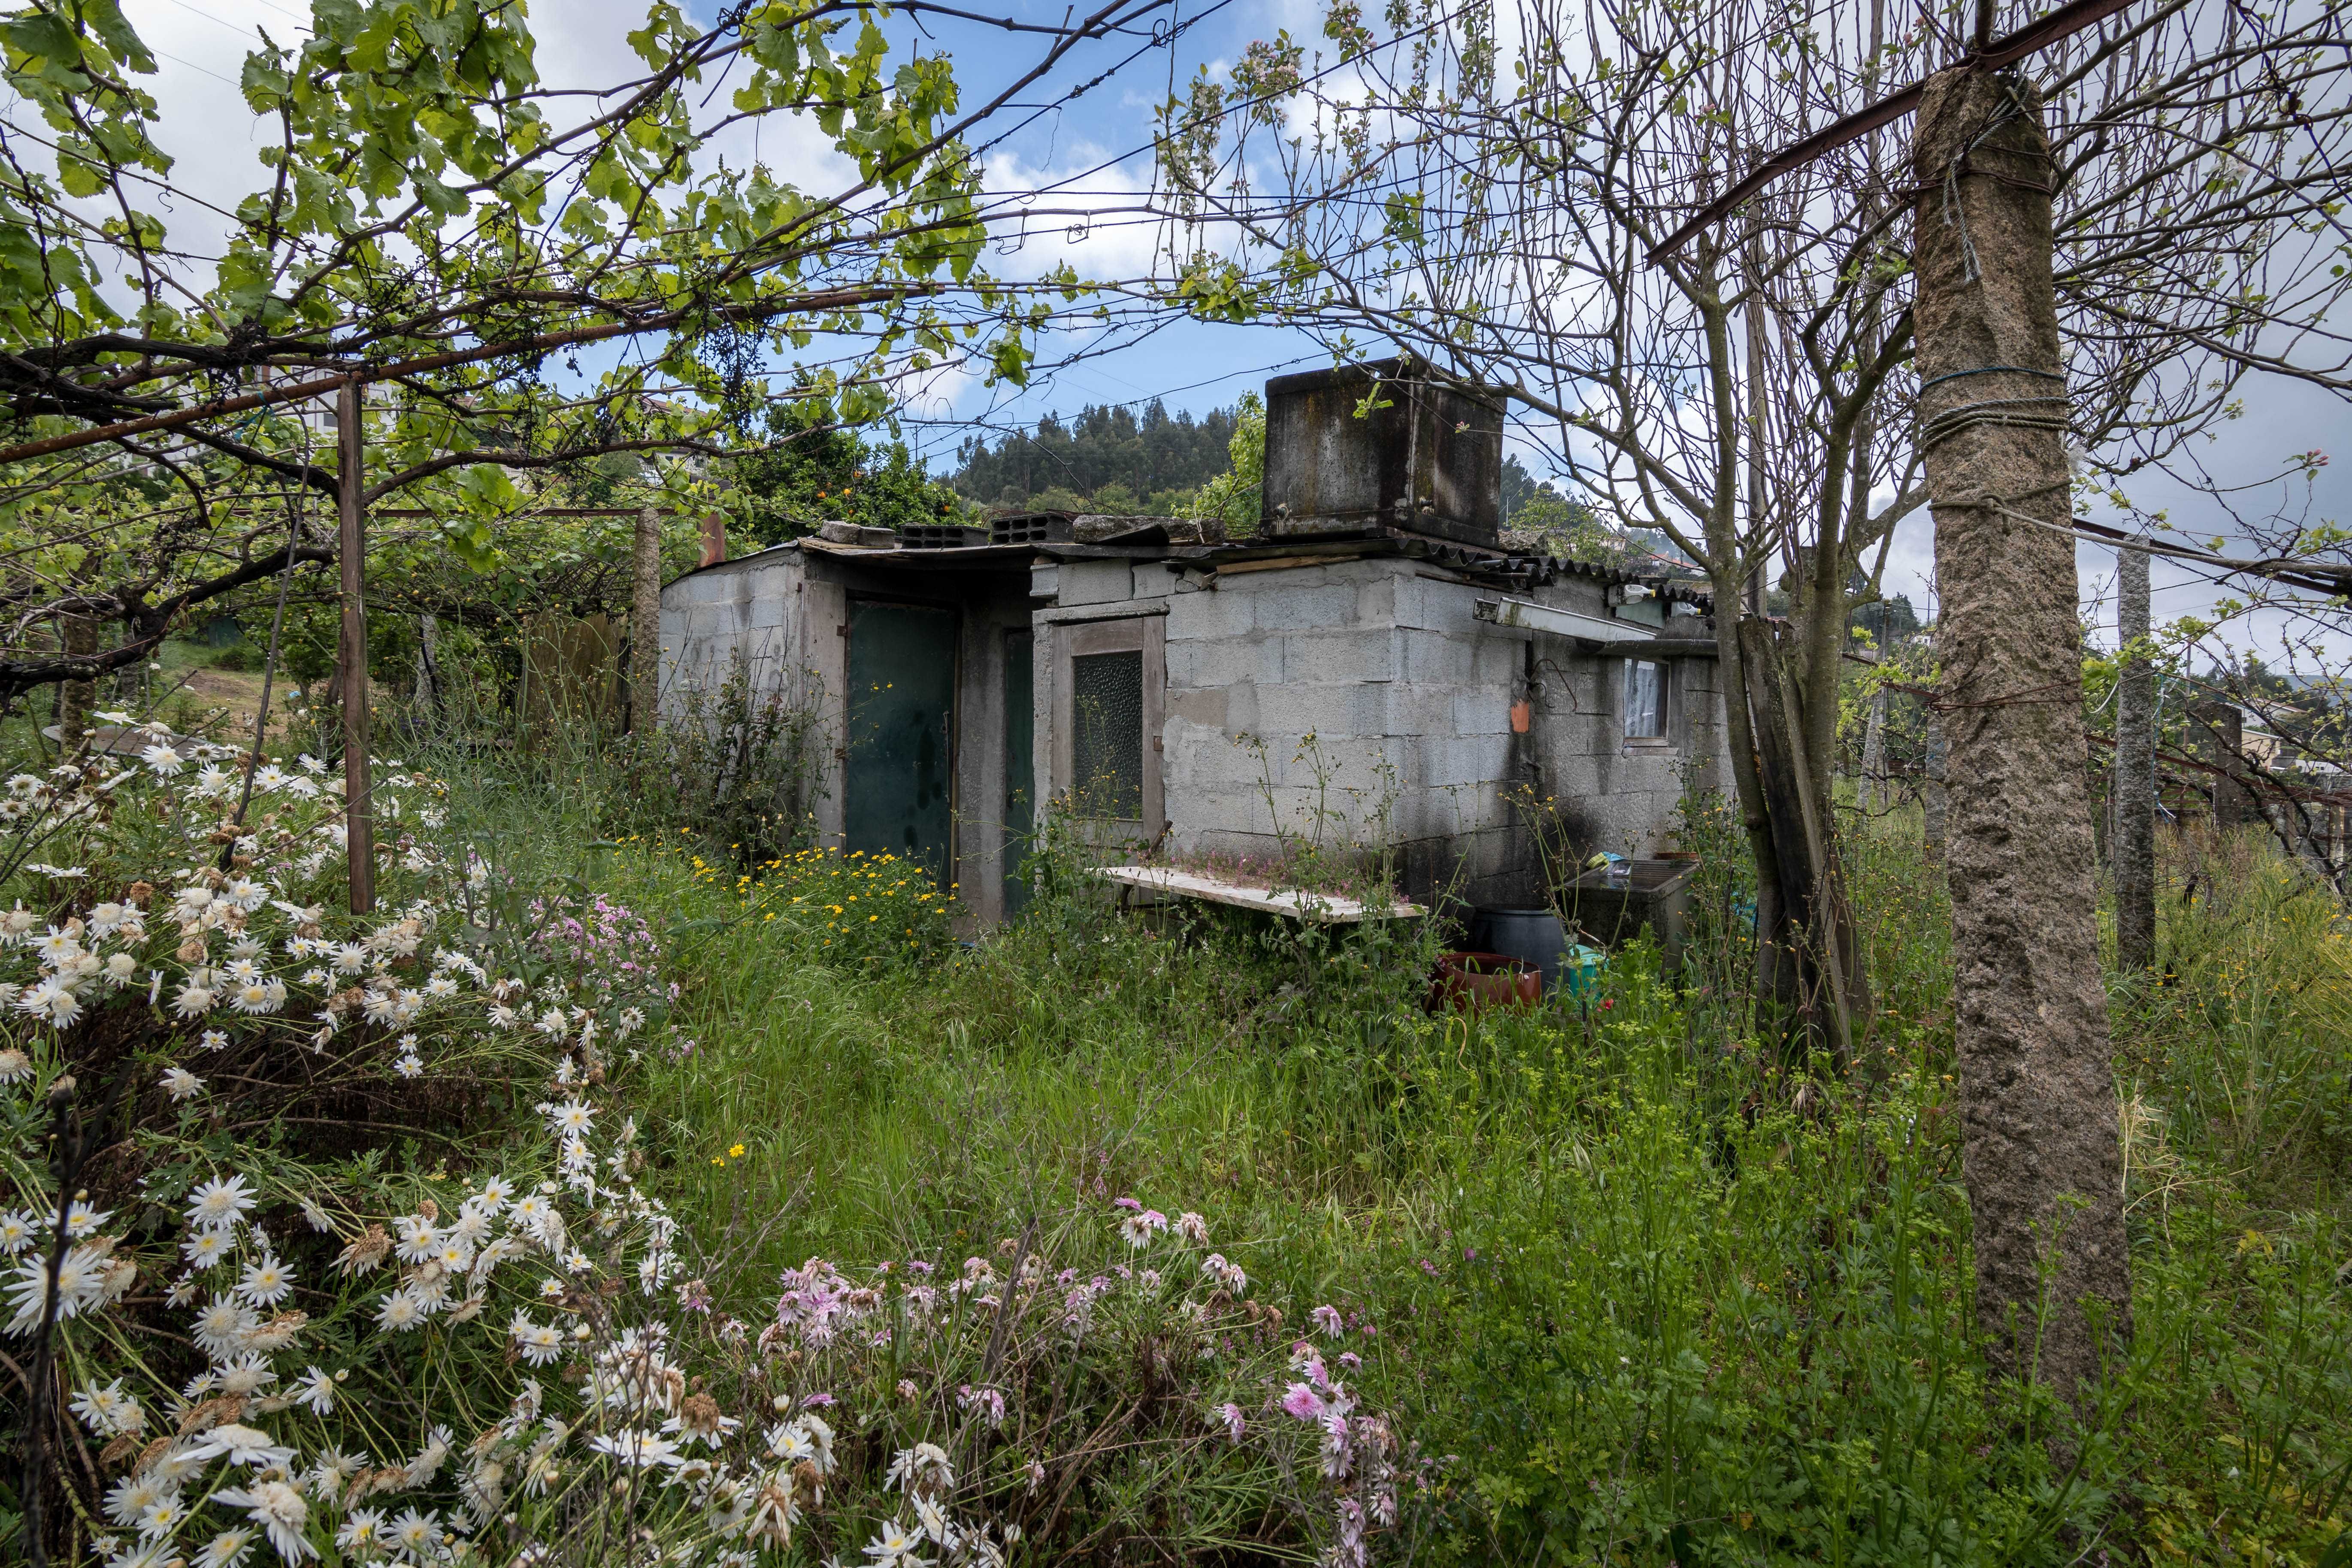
{"type": "Point", "coordinates": [1091, 153]}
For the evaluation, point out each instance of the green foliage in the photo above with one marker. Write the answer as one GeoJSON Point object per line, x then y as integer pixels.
{"type": "Point", "coordinates": [424, 208]}
{"type": "Point", "coordinates": [1663, 1298]}
{"type": "Point", "coordinates": [1237, 494]}
{"type": "Point", "coordinates": [813, 470]}
{"type": "Point", "coordinates": [1646, 1291]}
{"type": "Point", "coordinates": [1105, 459]}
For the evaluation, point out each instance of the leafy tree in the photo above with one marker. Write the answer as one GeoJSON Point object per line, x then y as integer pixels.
{"type": "Point", "coordinates": [433, 221]}
{"type": "Point", "coordinates": [812, 472]}
{"type": "Point", "coordinates": [1237, 494]}
{"type": "Point", "coordinates": [1155, 459]}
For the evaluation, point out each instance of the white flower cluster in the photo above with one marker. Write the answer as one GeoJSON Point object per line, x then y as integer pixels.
{"type": "Point", "coordinates": [279, 1435]}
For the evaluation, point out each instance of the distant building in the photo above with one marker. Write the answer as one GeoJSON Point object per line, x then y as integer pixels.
{"type": "Point", "coordinates": [1160, 682]}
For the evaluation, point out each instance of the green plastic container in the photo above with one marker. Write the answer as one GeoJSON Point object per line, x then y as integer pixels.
{"type": "Point", "coordinates": [1579, 969]}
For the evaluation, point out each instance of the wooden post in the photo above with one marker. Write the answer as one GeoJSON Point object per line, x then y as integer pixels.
{"type": "Point", "coordinates": [2134, 779]}
{"type": "Point", "coordinates": [351, 479]}
{"type": "Point", "coordinates": [2040, 1155]}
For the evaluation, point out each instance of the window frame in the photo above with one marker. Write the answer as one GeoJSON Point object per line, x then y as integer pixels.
{"type": "Point", "coordinates": [1662, 734]}
{"type": "Point", "coordinates": [1146, 634]}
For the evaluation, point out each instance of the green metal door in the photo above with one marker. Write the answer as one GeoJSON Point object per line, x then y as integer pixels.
{"type": "Point", "coordinates": [900, 782]}
{"type": "Point", "coordinates": [1020, 763]}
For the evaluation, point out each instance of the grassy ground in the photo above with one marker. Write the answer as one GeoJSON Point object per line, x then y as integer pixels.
{"type": "Point", "coordinates": [1655, 1292]}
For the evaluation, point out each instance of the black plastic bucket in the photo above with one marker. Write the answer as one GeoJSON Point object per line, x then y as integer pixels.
{"type": "Point", "coordinates": [1531, 936]}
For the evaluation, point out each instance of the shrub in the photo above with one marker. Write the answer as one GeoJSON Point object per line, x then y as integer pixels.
{"type": "Point", "coordinates": [252, 1270]}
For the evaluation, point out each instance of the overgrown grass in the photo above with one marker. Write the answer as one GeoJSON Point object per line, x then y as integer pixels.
{"type": "Point", "coordinates": [1660, 1294]}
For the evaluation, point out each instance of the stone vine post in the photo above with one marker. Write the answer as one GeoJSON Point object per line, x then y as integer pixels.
{"type": "Point", "coordinates": [2135, 778]}
{"type": "Point", "coordinates": [2040, 1156]}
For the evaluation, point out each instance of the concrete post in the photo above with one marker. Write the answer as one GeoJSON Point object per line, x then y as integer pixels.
{"type": "Point", "coordinates": [1933, 803]}
{"type": "Point", "coordinates": [76, 698]}
{"type": "Point", "coordinates": [2040, 1156]}
{"type": "Point", "coordinates": [645, 624]}
{"type": "Point", "coordinates": [2134, 779]}
{"type": "Point", "coordinates": [2221, 737]}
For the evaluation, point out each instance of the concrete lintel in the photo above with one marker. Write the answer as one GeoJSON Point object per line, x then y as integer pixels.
{"type": "Point", "coordinates": [1110, 610]}
{"type": "Point", "coordinates": [1527, 615]}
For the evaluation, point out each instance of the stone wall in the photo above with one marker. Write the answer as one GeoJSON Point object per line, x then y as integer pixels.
{"type": "Point", "coordinates": [1357, 701]}
{"type": "Point", "coordinates": [1362, 700]}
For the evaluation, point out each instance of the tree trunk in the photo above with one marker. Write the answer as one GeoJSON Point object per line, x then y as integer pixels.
{"type": "Point", "coordinates": [76, 698]}
{"type": "Point", "coordinates": [2134, 850]}
{"type": "Point", "coordinates": [2037, 1090]}
{"type": "Point", "coordinates": [645, 625]}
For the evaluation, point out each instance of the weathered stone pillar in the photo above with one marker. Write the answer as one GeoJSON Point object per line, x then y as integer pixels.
{"type": "Point", "coordinates": [2040, 1155]}
{"type": "Point", "coordinates": [645, 624]}
{"type": "Point", "coordinates": [2134, 853]}
{"type": "Point", "coordinates": [2220, 731]}
{"type": "Point", "coordinates": [76, 698]}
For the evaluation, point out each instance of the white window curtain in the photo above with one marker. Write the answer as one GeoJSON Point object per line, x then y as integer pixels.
{"type": "Point", "coordinates": [1645, 699]}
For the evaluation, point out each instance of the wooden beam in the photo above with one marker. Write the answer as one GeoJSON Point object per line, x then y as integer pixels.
{"type": "Point", "coordinates": [2060, 24]}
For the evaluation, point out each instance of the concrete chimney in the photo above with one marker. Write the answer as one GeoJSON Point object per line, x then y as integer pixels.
{"type": "Point", "coordinates": [1428, 460]}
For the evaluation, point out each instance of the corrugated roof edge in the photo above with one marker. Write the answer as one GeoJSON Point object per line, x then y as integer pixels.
{"type": "Point", "coordinates": [1519, 567]}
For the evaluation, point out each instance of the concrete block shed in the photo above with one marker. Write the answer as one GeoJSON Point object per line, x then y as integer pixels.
{"type": "Point", "coordinates": [1165, 684]}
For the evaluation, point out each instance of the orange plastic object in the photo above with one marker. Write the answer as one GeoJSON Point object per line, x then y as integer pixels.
{"type": "Point", "coordinates": [1521, 712]}
{"type": "Point", "coordinates": [1469, 981]}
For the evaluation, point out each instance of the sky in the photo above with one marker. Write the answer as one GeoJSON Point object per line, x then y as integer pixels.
{"type": "Point", "coordinates": [1093, 154]}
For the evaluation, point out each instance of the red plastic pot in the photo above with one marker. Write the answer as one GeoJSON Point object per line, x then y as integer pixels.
{"type": "Point", "coordinates": [1469, 981]}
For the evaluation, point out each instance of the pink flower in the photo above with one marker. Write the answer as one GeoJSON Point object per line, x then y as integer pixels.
{"type": "Point", "coordinates": [1129, 1204]}
{"type": "Point", "coordinates": [1235, 1425]}
{"type": "Point", "coordinates": [1327, 1320]}
{"type": "Point", "coordinates": [1302, 1402]}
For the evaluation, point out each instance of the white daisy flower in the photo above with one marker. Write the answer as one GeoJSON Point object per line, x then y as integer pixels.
{"type": "Point", "coordinates": [414, 1535]}
{"type": "Point", "coordinates": [51, 1003]}
{"type": "Point", "coordinates": [363, 1533]}
{"type": "Point", "coordinates": [317, 1390]}
{"type": "Point", "coordinates": [226, 1550]}
{"type": "Point", "coordinates": [538, 1344]}
{"type": "Point", "coordinates": [281, 1513]}
{"type": "Point", "coordinates": [204, 1249]}
{"type": "Point", "coordinates": [401, 1311]}
{"type": "Point", "coordinates": [220, 1328]}
{"type": "Point", "coordinates": [418, 1239]}
{"type": "Point", "coordinates": [220, 1206]}
{"type": "Point", "coordinates": [181, 1084]}
{"type": "Point", "coordinates": [132, 1496]}
{"type": "Point", "coordinates": [267, 1281]}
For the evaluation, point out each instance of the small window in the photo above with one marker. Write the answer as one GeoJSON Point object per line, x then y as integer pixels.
{"type": "Point", "coordinates": [1645, 699]}
{"type": "Point", "coordinates": [1106, 753]}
